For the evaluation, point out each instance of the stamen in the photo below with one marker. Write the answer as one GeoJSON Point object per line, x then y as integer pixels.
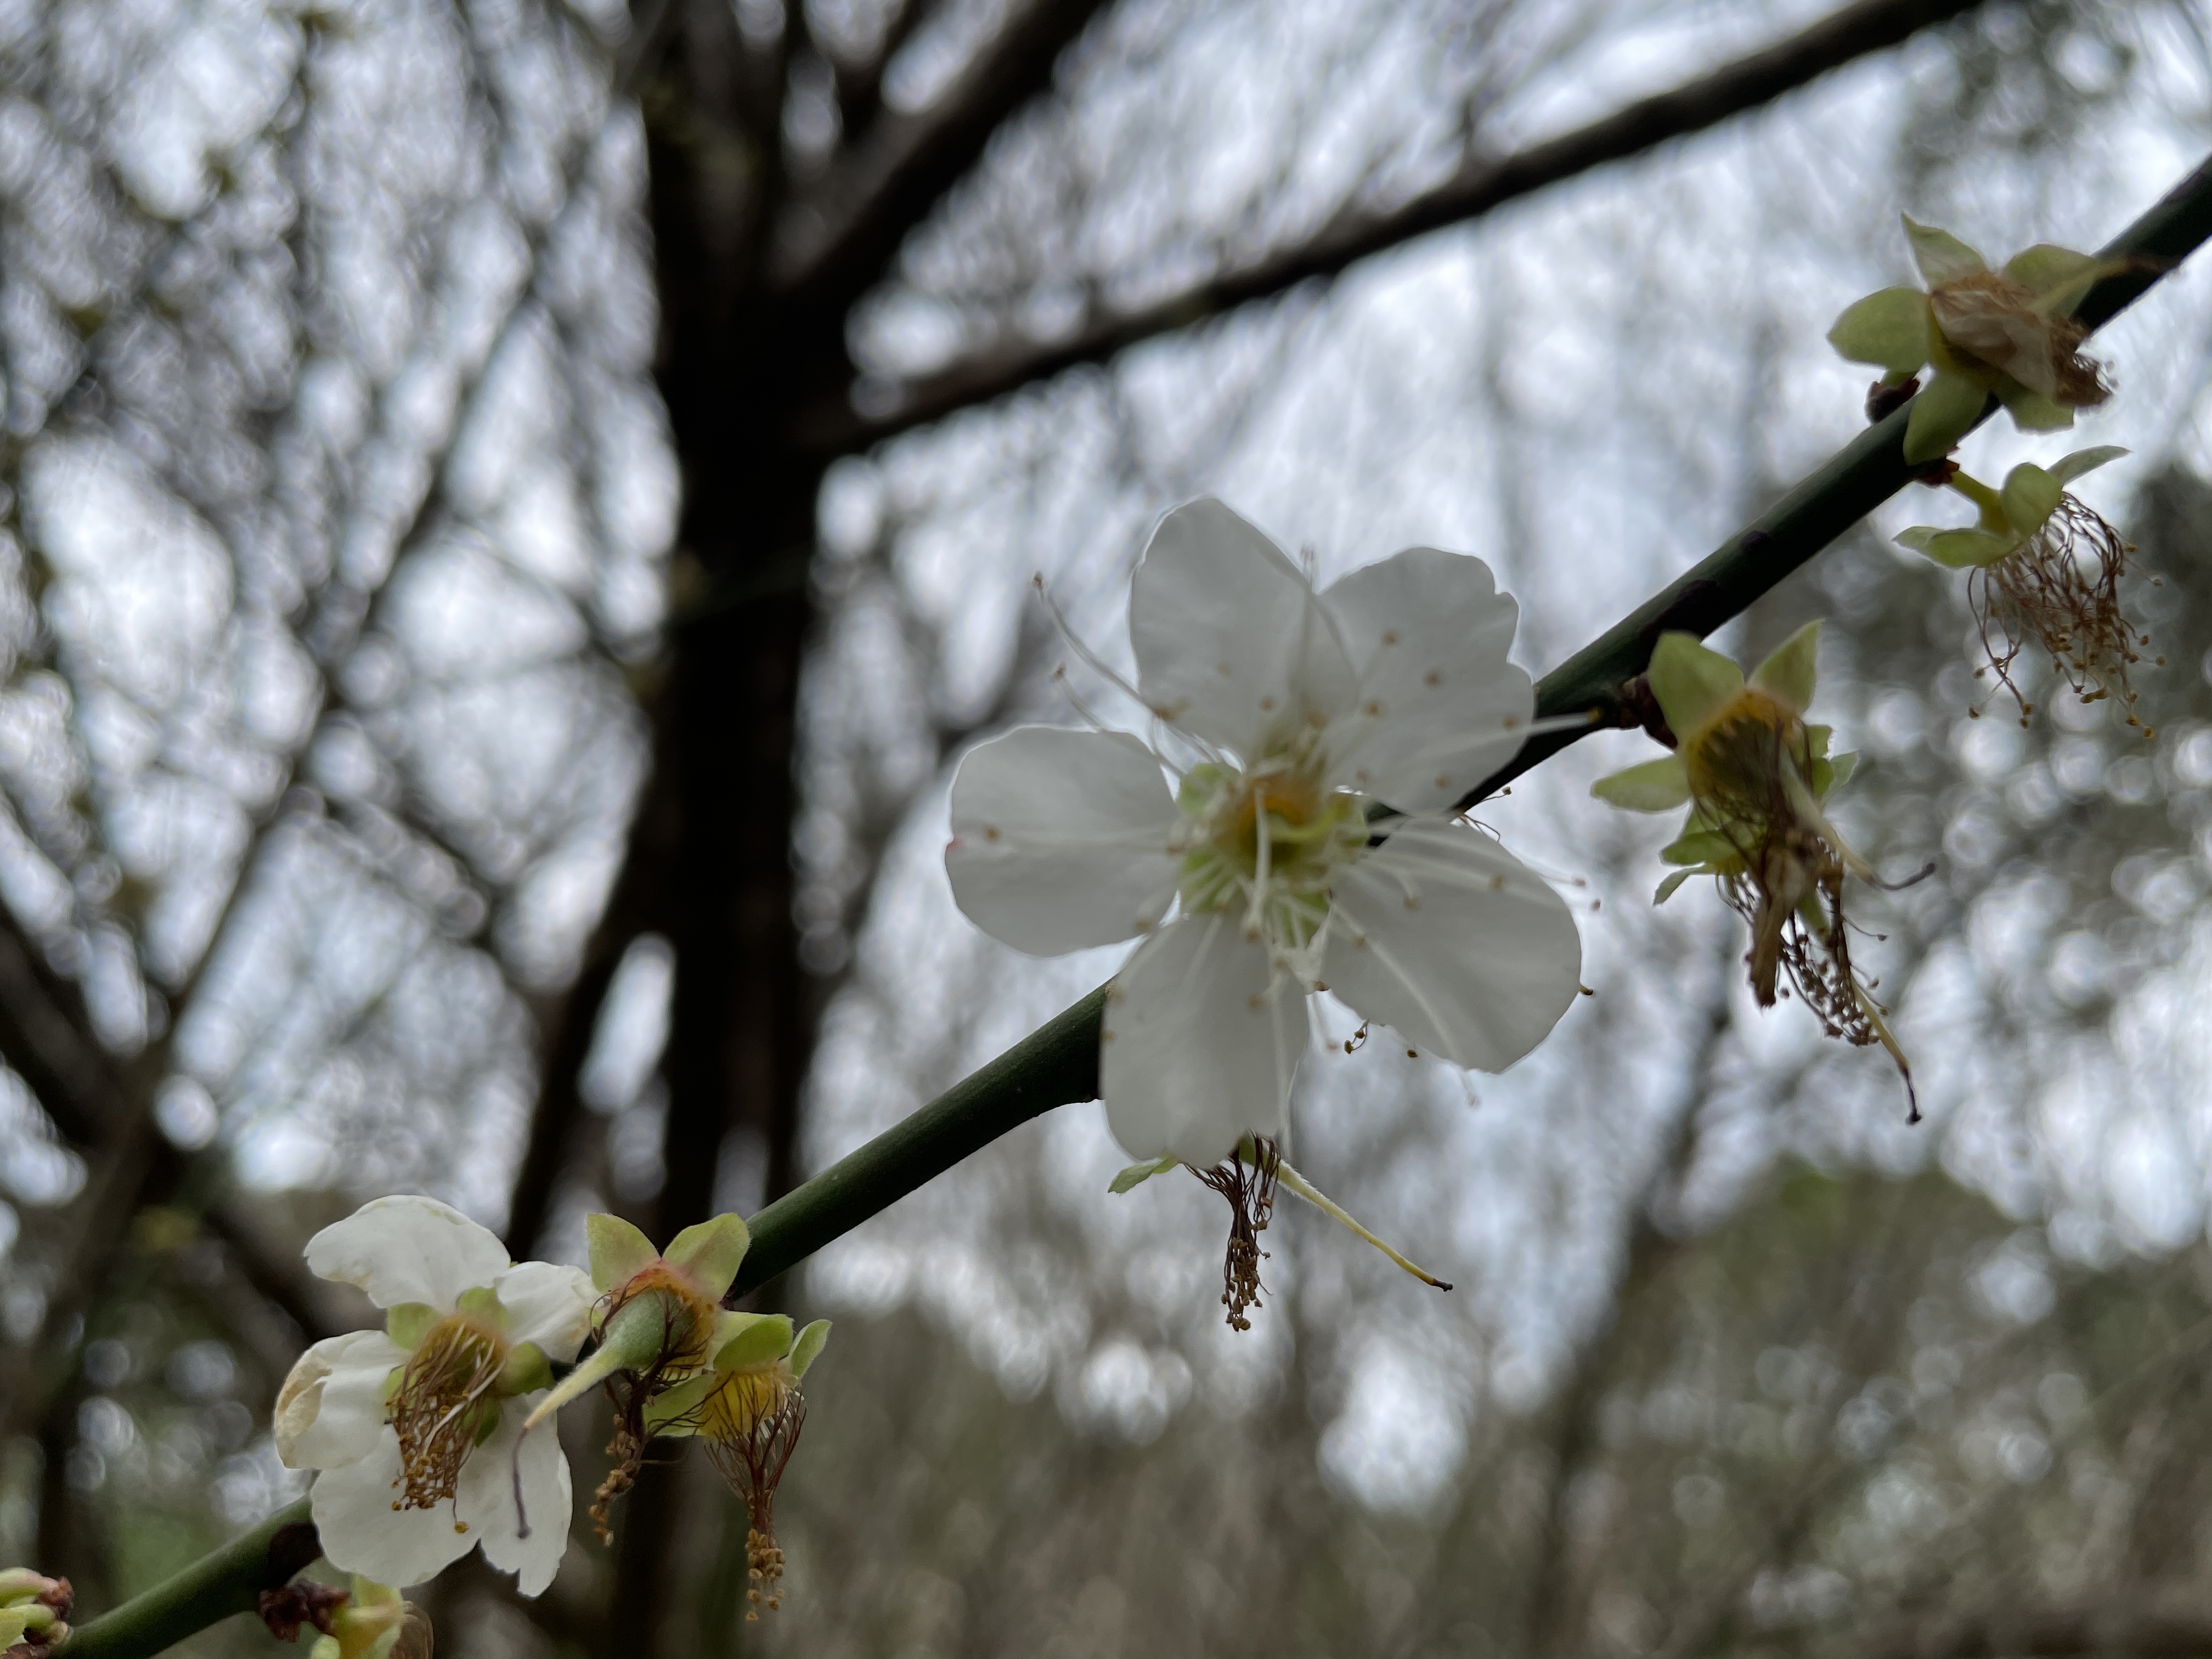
{"type": "Point", "coordinates": [1247, 1180]}
{"type": "Point", "coordinates": [2039, 594]}
{"type": "Point", "coordinates": [752, 1427]}
{"type": "Point", "coordinates": [1294, 1182]}
{"type": "Point", "coordinates": [439, 1407]}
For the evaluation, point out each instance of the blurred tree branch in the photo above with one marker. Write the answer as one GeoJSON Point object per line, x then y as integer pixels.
{"type": "Point", "coordinates": [1481, 183]}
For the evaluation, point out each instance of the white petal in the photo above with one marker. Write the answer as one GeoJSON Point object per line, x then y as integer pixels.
{"type": "Point", "coordinates": [485, 1499]}
{"type": "Point", "coordinates": [1455, 943]}
{"type": "Point", "coordinates": [306, 1438]}
{"type": "Point", "coordinates": [363, 1533]}
{"type": "Point", "coordinates": [408, 1250]}
{"type": "Point", "coordinates": [335, 1419]}
{"type": "Point", "coordinates": [1232, 645]}
{"type": "Point", "coordinates": [1439, 708]}
{"type": "Point", "coordinates": [1200, 1043]}
{"type": "Point", "coordinates": [1062, 840]}
{"type": "Point", "coordinates": [547, 1304]}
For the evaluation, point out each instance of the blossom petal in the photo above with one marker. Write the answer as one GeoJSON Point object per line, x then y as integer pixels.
{"type": "Point", "coordinates": [1062, 840]}
{"type": "Point", "coordinates": [547, 1304]}
{"type": "Point", "coordinates": [1942, 257]}
{"type": "Point", "coordinates": [1439, 709]}
{"type": "Point", "coordinates": [1455, 943]}
{"type": "Point", "coordinates": [362, 1532]}
{"type": "Point", "coordinates": [1941, 413]}
{"type": "Point", "coordinates": [1889, 329]}
{"type": "Point", "coordinates": [483, 1499]}
{"type": "Point", "coordinates": [1787, 671]}
{"type": "Point", "coordinates": [408, 1248]}
{"type": "Point", "coordinates": [1691, 684]}
{"type": "Point", "coordinates": [1200, 1042]}
{"type": "Point", "coordinates": [1231, 644]}
{"type": "Point", "coordinates": [331, 1405]}
{"type": "Point", "coordinates": [1656, 786]}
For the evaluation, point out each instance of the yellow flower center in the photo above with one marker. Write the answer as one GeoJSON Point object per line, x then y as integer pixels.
{"type": "Point", "coordinates": [1735, 760]}
{"type": "Point", "coordinates": [444, 1403]}
{"type": "Point", "coordinates": [1267, 843]}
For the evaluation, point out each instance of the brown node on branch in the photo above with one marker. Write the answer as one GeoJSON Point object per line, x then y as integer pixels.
{"type": "Point", "coordinates": [1250, 1190]}
{"type": "Point", "coordinates": [1883, 400]}
{"type": "Point", "coordinates": [304, 1603]}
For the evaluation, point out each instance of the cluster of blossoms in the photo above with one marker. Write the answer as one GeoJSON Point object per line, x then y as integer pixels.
{"type": "Point", "coordinates": [2043, 568]}
{"type": "Point", "coordinates": [1293, 824]}
{"type": "Point", "coordinates": [420, 1433]}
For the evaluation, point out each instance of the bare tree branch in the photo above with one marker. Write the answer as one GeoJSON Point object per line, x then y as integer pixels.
{"type": "Point", "coordinates": [1481, 184]}
{"type": "Point", "coordinates": [834, 239]}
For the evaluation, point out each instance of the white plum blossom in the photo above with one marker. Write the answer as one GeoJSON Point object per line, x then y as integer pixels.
{"type": "Point", "coordinates": [414, 1429]}
{"type": "Point", "coordinates": [1300, 726]}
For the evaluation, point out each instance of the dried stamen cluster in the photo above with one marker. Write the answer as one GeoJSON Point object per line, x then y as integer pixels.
{"type": "Point", "coordinates": [752, 1427]}
{"type": "Point", "coordinates": [1250, 1188]}
{"type": "Point", "coordinates": [2059, 590]}
{"type": "Point", "coordinates": [446, 1403]}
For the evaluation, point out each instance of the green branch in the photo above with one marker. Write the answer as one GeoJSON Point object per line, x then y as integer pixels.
{"type": "Point", "coordinates": [213, 1587]}
{"type": "Point", "coordinates": [1058, 1062]}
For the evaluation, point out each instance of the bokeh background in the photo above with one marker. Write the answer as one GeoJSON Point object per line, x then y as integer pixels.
{"type": "Point", "coordinates": [510, 512]}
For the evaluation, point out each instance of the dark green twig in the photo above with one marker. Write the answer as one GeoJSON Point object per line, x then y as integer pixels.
{"type": "Point", "coordinates": [213, 1587]}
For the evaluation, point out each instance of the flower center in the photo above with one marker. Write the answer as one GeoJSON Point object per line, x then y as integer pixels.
{"type": "Point", "coordinates": [1735, 759]}
{"type": "Point", "coordinates": [1267, 841]}
{"type": "Point", "coordinates": [444, 1404]}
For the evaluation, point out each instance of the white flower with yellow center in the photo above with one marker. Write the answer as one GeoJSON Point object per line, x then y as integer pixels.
{"type": "Point", "coordinates": [414, 1429]}
{"type": "Point", "coordinates": [1300, 726]}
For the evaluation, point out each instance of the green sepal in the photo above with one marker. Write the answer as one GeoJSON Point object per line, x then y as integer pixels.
{"type": "Point", "coordinates": [1945, 408]}
{"type": "Point", "coordinates": [1942, 257]}
{"type": "Point", "coordinates": [1841, 770]}
{"type": "Point", "coordinates": [2031, 410]}
{"type": "Point", "coordinates": [711, 1252]}
{"type": "Point", "coordinates": [2067, 468]}
{"type": "Point", "coordinates": [619, 1252]}
{"type": "Point", "coordinates": [1654, 786]}
{"type": "Point", "coordinates": [1889, 330]}
{"type": "Point", "coordinates": [1788, 672]}
{"type": "Point", "coordinates": [481, 1305]}
{"type": "Point", "coordinates": [2030, 495]}
{"type": "Point", "coordinates": [674, 1412]}
{"type": "Point", "coordinates": [1699, 847]}
{"type": "Point", "coordinates": [1692, 685]}
{"type": "Point", "coordinates": [1958, 550]}
{"type": "Point", "coordinates": [805, 1350]}
{"type": "Point", "coordinates": [1667, 887]}
{"type": "Point", "coordinates": [1817, 738]}
{"type": "Point", "coordinates": [2058, 277]}
{"type": "Point", "coordinates": [408, 1322]}
{"type": "Point", "coordinates": [1137, 1174]}
{"type": "Point", "coordinates": [526, 1370]}
{"type": "Point", "coordinates": [761, 1339]}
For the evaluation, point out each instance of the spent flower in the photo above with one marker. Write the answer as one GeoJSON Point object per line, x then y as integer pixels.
{"type": "Point", "coordinates": [415, 1429]}
{"type": "Point", "coordinates": [1756, 778]}
{"type": "Point", "coordinates": [365, 1620]}
{"type": "Point", "coordinates": [2009, 331]}
{"type": "Point", "coordinates": [34, 1611]}
{"type": "Point", "coordinates": [2044, 568]}
{"type": "Point", "coordinates": [659, 1320]}
{"type": "Point", "coordinates": [747, 1411]}
{"type": "Point", "coordinates": [1320, 744]}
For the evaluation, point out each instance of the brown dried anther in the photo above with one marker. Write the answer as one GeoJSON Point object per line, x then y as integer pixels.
{"type": "Point", "coordinates": [1250, 1188]}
